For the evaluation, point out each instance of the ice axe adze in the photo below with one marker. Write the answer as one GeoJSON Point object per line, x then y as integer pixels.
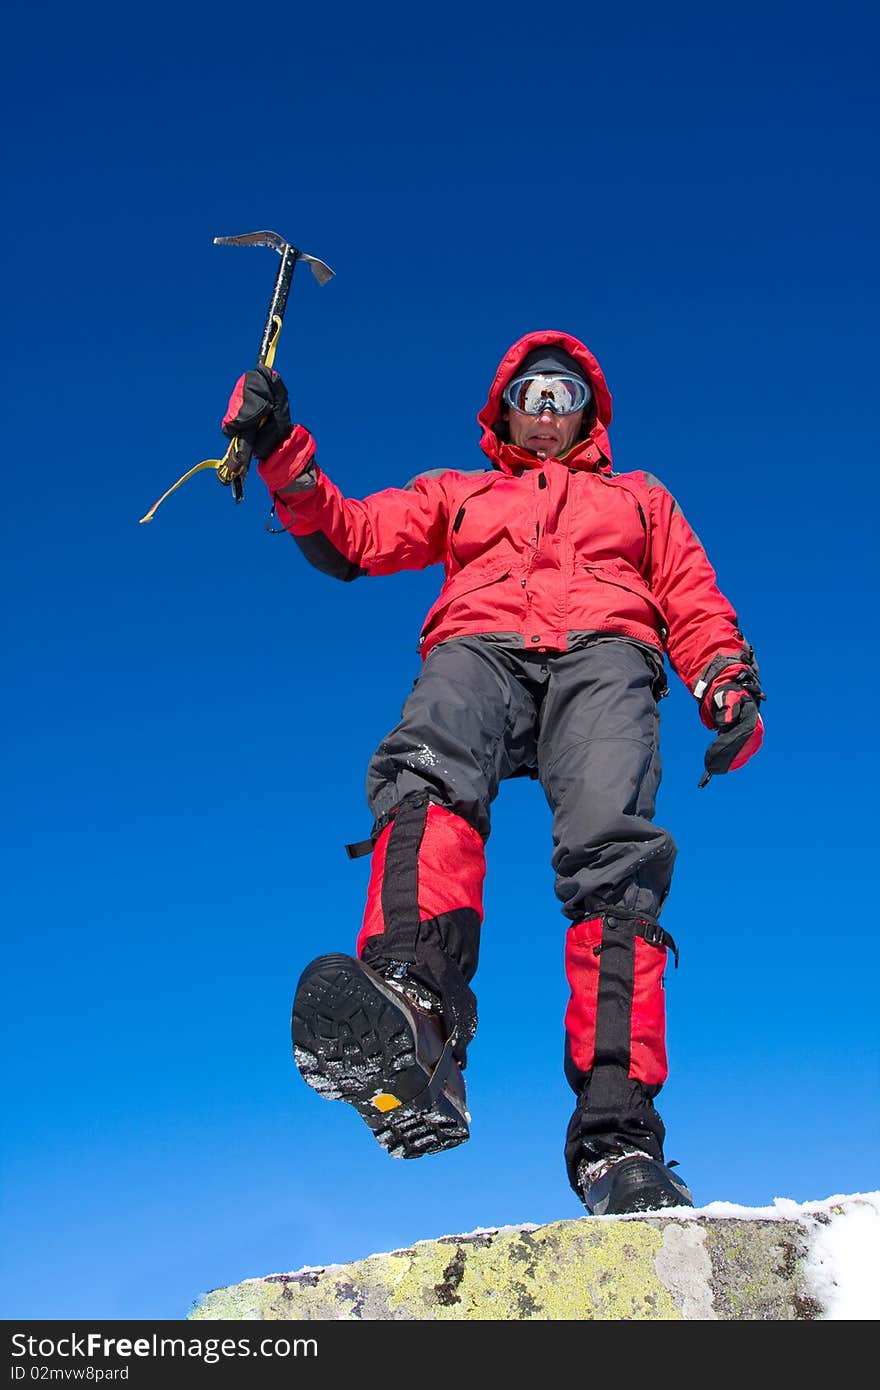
{"type": "Point", "coordinates": [233, 466]}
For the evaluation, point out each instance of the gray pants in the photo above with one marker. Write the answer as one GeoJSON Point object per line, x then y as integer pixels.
{"type": "Point", "coordinates": [585, 722]}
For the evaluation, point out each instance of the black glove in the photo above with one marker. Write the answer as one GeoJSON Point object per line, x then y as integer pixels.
{"type": "Point", "coordinates": [732, 705]}
{"type": "Point", "coordinates": [258, 412]}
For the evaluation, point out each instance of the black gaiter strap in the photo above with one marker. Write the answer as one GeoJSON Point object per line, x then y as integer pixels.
{"type": "Point", "coordinates": [400, 880]}
{"type": "Point", "coordinates": [610, 1077]}
{"type": "Point", "coordinates": [614, 1001]}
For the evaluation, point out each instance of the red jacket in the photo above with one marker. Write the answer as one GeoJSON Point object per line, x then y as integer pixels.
{"type": "Point", "coordinates": [541, 550]}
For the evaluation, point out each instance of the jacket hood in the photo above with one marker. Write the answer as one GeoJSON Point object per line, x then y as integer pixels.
{"type": "Point", "coordinates": [591, 453]}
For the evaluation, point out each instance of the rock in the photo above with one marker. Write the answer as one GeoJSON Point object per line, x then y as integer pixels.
{"type": "Point", "coordinates": [696, 1265]}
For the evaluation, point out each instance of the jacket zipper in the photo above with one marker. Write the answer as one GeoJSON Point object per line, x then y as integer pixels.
{"type": "Point", "coordinates": [542, 483]}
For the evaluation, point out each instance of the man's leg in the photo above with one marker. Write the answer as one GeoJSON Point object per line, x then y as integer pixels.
{"type": "Point", "coordinates": [600, 768]}
{"type": "Point", "coordinates": [467, 724]}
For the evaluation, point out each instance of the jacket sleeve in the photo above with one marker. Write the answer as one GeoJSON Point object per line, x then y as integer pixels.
{"type": "Point", "coordinates": [396, 529]}
{"type": "Point", "coordinates": [703, 636]}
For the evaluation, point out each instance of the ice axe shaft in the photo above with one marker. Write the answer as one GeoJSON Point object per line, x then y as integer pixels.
{"type": "Point", "coordinates": [234, 466]}
{"type": "Point", "coordinates": [231, 469]}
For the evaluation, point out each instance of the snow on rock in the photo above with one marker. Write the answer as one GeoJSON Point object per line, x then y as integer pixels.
{"type": "Point", "coordinates": [842, 1267]}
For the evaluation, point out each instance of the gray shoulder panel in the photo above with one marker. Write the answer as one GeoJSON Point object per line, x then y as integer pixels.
{"type": "Point", "coordinates": [439, 473]}
{"type": "Point", "coordinates": [653, 481]}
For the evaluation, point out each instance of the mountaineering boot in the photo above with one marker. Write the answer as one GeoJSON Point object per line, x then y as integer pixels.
{"type": "Point", "coordinates": [378, 1045]}
{"type": "Point", "coordinates": [630, 1182]}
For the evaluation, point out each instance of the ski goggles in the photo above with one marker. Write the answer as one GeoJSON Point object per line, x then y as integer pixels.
{"type": "Point", "coordinates": [539, 391]}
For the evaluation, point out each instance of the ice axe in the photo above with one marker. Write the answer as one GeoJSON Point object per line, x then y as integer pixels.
{"type": "Point", "coordinates": [233, 466]}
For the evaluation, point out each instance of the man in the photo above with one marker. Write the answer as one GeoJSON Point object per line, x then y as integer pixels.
{"type": "Point", "coordinates": [543, 656]}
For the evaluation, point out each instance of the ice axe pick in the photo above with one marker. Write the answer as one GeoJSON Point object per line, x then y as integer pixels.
{"type": "Point", "coordinates": [233, 466]}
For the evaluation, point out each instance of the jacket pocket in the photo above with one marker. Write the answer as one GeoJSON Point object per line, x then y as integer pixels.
{"type": "Point", "coordinates": [458, 587]}
{"type": "Point", "coordinates": [607, 572]}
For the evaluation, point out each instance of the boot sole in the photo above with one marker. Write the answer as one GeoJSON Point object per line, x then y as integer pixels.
{"type": "Point", "coordinates": [354, 1042]}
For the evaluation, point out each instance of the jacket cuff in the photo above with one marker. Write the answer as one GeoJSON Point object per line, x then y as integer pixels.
{"type": "Point", "coordinates": [729, 673]}
{"type": "Point", "coordinates": [725, 667]}
{"type": "Point", "coordinates": [289, 460]}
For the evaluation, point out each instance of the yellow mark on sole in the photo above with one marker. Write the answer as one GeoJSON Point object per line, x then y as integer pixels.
{"type": "Point", "coordinates": [384, 1101]}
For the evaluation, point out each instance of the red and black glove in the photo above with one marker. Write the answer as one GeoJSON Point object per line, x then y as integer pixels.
{"type": "Point", "coordinates": [258, 412]}
{"type": "Point", "coordinates": [731, 706]}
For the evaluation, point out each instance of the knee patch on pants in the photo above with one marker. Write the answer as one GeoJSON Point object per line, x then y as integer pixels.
{"type": "Point", "coordinates": [425, 906]}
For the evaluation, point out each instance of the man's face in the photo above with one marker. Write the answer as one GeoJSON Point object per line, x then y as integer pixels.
{"type": "Point", "coordinates": [548, 435]}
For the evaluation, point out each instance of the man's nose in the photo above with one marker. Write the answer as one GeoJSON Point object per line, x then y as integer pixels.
{"type": "Point", "coordinates": [546, 414]}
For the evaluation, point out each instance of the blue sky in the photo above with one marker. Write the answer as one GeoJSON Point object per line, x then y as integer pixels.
{"type": "Point", "coordinates": [191, 708]}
